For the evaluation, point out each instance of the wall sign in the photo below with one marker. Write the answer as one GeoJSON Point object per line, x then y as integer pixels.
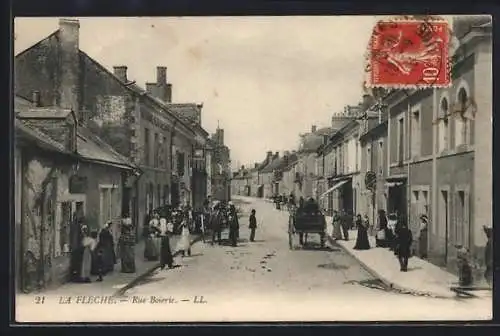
{"type": "Point", "coordinates": [78, 184]}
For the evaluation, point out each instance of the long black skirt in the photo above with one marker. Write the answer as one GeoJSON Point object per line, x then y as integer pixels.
{"type": "Point", "coordinates": [166, 257]}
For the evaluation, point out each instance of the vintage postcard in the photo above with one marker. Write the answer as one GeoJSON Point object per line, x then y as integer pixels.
{"type": "Point", "coordinates": [253, 169]}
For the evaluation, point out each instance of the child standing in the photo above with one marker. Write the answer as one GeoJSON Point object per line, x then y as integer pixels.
{"type": "Point", "coordinates": [252, 225]}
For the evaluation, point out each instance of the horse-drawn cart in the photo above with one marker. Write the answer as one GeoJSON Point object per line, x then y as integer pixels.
{"type": "Point", "coordinates": [304, 221]}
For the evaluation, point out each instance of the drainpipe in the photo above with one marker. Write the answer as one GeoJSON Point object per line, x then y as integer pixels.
{"type": "Point", "coordinates": [408, 183]}
{"type": "Point", "coordinates": [434, 189]}
{"type": "Point", "coordinates": [172, 135]}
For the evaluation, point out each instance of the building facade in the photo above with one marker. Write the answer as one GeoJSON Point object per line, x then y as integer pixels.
{"type": "Point", "coordinates": [62, 172]}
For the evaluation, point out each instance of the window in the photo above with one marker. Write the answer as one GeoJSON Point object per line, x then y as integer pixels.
{"type": "Point", "coordinates": [443, 127]}
{"type": "Point", "coordinates": [380, 158]}
{"type": "Point", "coordinates": [146, 147]}
{"type": "Point", "coordinates": [368, 158]}
{"type": "Point", "coordinates": [443, 215]}
{"type": "Point", "coordinates": [462, 123]}
{"type": "Point", "coordinates": [109, 203]}
{"type": "Point", "coordinates": [180, 163]}
{"type": "Point", "coordinates": [63, 228]}
{"type": "Point", "coordinates": [165, 152]}
{"type": "Point", "coordinates": [357, 156]}
{"type": "Point", "coordinates": [401, 140]}
{"type": "Point", "coordinates": [415, 133]}
{"type": "Point", "coordinates": [462, 219]}
{"type": "Point", "coordinates": [158, 198]}
{"type": "Point", "coordinates": [425, 202]}
{"type": "Point", "coordinates": [156, 151]}
{"type": "Point", "coordinates": [165, 194]}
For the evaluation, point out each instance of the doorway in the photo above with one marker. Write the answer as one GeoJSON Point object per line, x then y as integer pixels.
{"type": "Point", "coordinates": [444, 222]}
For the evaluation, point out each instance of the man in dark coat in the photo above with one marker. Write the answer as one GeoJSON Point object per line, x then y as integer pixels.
{"type": "Point", "coordinates": [217, 226]}
{"type": "Point", "coordinates": [233, 226]}
{"type": "Point", "coordinates": [404, 240]}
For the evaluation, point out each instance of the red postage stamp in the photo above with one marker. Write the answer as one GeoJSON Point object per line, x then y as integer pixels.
{"type": "Point", "coordinates": [409, 54]}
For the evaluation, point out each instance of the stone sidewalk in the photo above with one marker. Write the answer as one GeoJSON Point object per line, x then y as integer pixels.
{"type": "Point", "coordinates": [423, 277]}
{"type": "Point", "coordinates": [114, 282]}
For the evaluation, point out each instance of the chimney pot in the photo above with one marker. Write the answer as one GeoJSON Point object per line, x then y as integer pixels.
{"type": "Point", "coordinates": [168, 93]}
{"type": "Point", "coordinates": [120, 71]}
{"type": "Point", "coordinates": [313, 128]}
{"type": "Point", "coordinates": [36, 98]}
{"type": "Point", "coordinates": [161, 75]}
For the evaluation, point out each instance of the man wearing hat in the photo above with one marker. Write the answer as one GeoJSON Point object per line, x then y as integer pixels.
{"type": "Point", "coordinates": [422, 236]}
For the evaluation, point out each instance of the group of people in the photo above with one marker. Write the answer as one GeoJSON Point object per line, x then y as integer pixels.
{"type": "Point", "coordinates": [93, 254]}
{"type": "Point", "coordinates": [392, 232]}
{"type": "Point", "coordinates": [157, 234]}
{"type": "Point", "coordinates": [218, 216]}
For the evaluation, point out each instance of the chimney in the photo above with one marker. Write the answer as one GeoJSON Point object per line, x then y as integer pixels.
{"type": "Point", "coordinates": [313, 128]}
{"type": "Point", "coordinates": [287, 153]}
{"type": "Point", "coordinates": [69, 85]}
{"type": "Point", "coordinates": [368, 101]}
{"type": "Point", "coordinates": [151, 88]}
{"type": "Point", "coordinates": [256, 165]}
{"type": "Point", "coordinates": [219, 134]}
{"type": "Point", "coordinates": [120, 71]}
{"type": "Point", "coordinates": [168, 93]}
{"type": "Point", "coordinates": [242, 167]}
{"type": "Point", "coordinates": [36, 98]}
{"type": "Point", "coordinates": [277, 154]}
{"type": "Point", "coordinates": [269, 155]}
{"type": "Point", "coordinates": [161, 75]}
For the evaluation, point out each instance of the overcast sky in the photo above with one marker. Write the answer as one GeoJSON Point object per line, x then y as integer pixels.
{"type": "Point", "coordinates": [265, 79]}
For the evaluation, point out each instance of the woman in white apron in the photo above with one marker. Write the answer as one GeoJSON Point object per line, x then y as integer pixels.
{"type": "Point", "coordinates": [184, 244]}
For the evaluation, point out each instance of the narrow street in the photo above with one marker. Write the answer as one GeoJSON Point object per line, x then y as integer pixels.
{"type": "Point", "coordinates": [263, 280]}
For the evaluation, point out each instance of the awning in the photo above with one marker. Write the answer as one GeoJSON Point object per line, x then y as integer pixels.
{"type": "Point", "coordinates": [336, 186]}
{"type": "Point", "coordinates": [392, 184]}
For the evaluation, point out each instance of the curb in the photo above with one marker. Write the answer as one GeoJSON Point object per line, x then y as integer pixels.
{"type": "Point", "coordinates": [148, 272]}
{"type": "Point", "coordinates": [391, 285]}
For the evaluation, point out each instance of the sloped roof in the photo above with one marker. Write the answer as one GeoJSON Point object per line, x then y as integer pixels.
{"type": "Point", "coordinates": [48, 129]}
{"type": "Point", "coordinates": [274, 164]}
{"type": "Point", "coordinates": [292, 162]}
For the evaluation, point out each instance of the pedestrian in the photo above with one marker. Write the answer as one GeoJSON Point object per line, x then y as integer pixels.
{"type": "Point", "coordinates": [464, 266]}
{"type": "Point", "coordinates": [252, 225]}
{"type": "Point", "coordinates": [391, 232]}
{"type": "Point", "coordinates": [217, 226]}
{"type": "Point", "coordinates": [151, 252]}
{"type": "Point", "coordinates": [106, 246]}
{"type": "Point", "coordinates": [233, 229]}
{"type": "Point", "coordinates": [301, 202]}
{"type": "Point", "coordinates": [127, 246]}
{"type": "Point", "coordinates": [97, 267]}
{"type": "Point", "coordinates": [77, 251]}
{"type": "Point", "coordinates": [362, 242]}
{"type": "Point", "coordinates": [166, 258]}
{"type": "Point", "coordinates": [382, 230]}
{"type": "Point", "coordinates": [422, 237]}
{"type": "Point", "coordinates": [184, 243]}
{"type": "Point", "coordinates": [368, 225]}
{"type": "Point", "coordinates": [344, 223]}
{"type": "Point", "coordinates": [336, 222]}
{"type": "Point", "coordinates": [488, 255]}
{"type": "Point", "coordinates": [89, 245]}
{"type": "Point", "coordinates": [404, 240]}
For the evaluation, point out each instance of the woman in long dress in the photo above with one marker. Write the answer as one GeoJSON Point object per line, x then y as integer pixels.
{"type": "Point", "coordinates": [422, 237]}
{"type": "Point", "coordinates": [106, 246]}
{"type": "Point", "coordinates": [166, 258]}
{"type": "Point", "coordinates": [127, 246]}
{"type": "Point", "coordinates": [337, 230]}
{"type": "Point", "coordinates": [362, 242]}
{"type": "Point", "coordinates": [184, 244]}
{"type": "Point", "coordinates": [151, 252]}
{"type": "Point", "coordinates": [89, 245]}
